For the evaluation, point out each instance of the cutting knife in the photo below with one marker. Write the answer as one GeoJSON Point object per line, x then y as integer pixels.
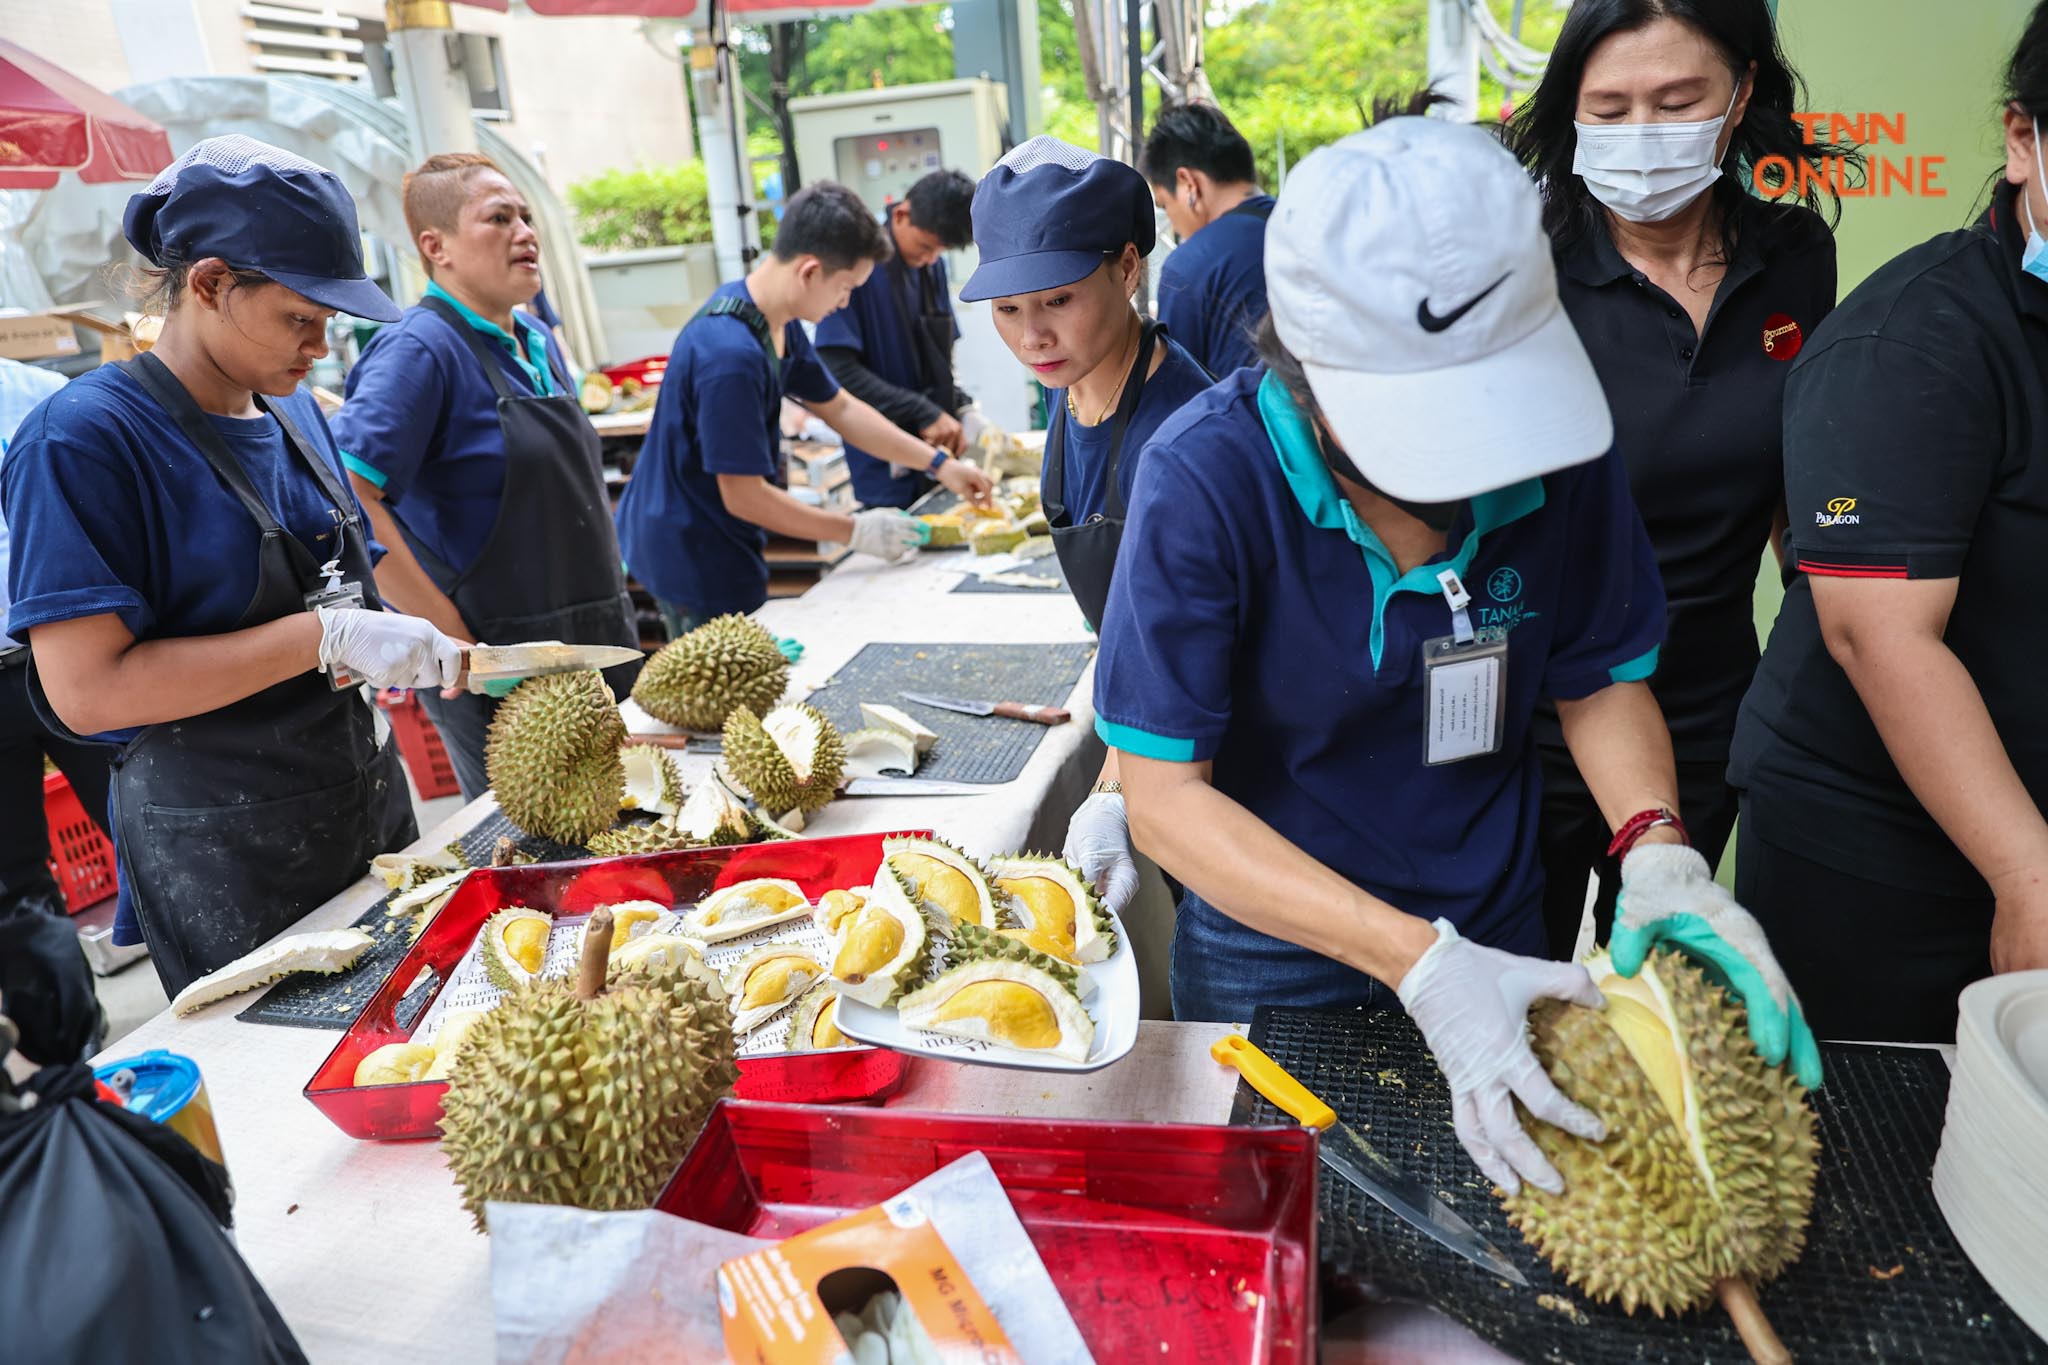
{"type": "Point", "coordinates": [482, 664]}
{"type": "Point", "coordinates": [917, 786]}
{"type": "Point", "coordinates": [1351, 1156]}
{"type": "Point", "coordinates": [1015, 710]}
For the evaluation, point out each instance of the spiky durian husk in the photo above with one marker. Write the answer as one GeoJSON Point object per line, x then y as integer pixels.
{"type": "Point", "coordinates": [554, 1100]}
{"type": "Point", "coordinates": [698, 680]}
{"type": "Point", "coordinates": [1637, 1221]}
{"type": "Point", "coordinates": [757, 763]}
{"type": "Point", "coordinates": [972, 943]}
{"type": "Point", "coordinates": [661, 781]}
{"type": "Point", "coordinates": [553, 756]}
{"type": "Point", "coordinates": [962, 862]}
{"type": "Point", "coordinates": [627, 840]}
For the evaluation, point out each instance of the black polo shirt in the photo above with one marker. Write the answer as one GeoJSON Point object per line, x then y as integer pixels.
{"type": "Point", "coordinates": [1697, 421]}
{"type": "Point", "coordinates": [1915, 425]}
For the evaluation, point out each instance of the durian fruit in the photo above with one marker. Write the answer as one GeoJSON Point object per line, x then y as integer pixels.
{"type": "Point", "coordinates": [596, 392]}
{"type": "Point", "coordinates": [877, 716]}
{"type": "Point", "coordinates": [769, 831]}
{"type": "Point", "coordinates": [744, 907]}
{"type": "Point", "coordinates": [713, 816]}
{"type": "Point", "coordinates": [635, 919]}
{"type": "Point", "coordinates": [455, 1027]}
{"type": "Point", "coordinates": [516, 946]}
{"type": "Point", "coordinates": [553, 756]}
{"type": "Point", "coordinates": [395, 1064]}
{"type": "Point", "coordinates": [424, 901]}
{"type": "Point", "coordinates": [945, 879]}
{"type": "Point", "coordinates": [944, 530]}
{"type": "Point", "coordinates": [1024, 503]}
{"type": "Point", "coordinates": [1705, 1180]}
{"type": "Point", "coordinates": [1012, 1004]}
{"type": "Point", "coordinates": [1056, 910]}
{"type": "Point", "coordinates": [972, 943]}
{"type": "Point", "coordinates": [874, 751]}
{"type": "Point", "coordinates": [790, 759]}
{"type": "Point", "coordinates": [653, 951]}
{"type": "Point", "coordinates": [995, 537]}
{"type": "Point", "coordinates": [883, 948]}
{"type": "Point", "coordinates": [836, 906]}
{"type": "Point", "coordinates": [653, 781]}
{"type": "Point", "coordinates": [575, 1094]}
{"type": "Point", "coordinates": [762, 983]}
{"type": "Point", "coordinates": [700, 679]}
{"type": "Point", "coordinates": [814, 1027]}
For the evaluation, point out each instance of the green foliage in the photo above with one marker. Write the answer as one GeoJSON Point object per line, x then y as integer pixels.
{"type": "Point", "coordinates": [899, 46]}
{"type": "Point", "coordinates": [619, 210]}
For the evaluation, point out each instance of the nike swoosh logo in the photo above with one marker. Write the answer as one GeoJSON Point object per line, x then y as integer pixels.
{"type": "Point", "coordinates": [1436, 322]}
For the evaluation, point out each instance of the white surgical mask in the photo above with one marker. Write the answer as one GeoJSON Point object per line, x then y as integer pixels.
{"type": "Point", "coordinates": [2034, 260]}
{"type": "Point", "coordinates": [1646, 172]}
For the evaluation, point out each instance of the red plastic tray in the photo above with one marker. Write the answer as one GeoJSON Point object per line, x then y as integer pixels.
{"type": "Point", "coordinates": [1174, 1242]}
{"type": "Point", "coordinates": [396, 1112]}
{"type": "Point", "coordinates": [81, 857]}
{"type": "Point", "coordinates": [419, 744]}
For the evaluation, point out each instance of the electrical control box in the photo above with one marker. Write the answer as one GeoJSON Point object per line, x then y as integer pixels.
{"type": "Point", "coordinates": [881, 142]}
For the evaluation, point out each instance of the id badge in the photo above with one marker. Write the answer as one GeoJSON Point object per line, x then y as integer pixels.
{"type": "Point", "coordinates": [337, 593]}
{"type": "Point", "coordinates": [1465, 678]}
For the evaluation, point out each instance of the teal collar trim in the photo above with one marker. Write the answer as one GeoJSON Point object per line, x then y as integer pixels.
{"type": "Point", "coordinates": [1324, 504]}
{"type": "Point", "coordinates": [533, 363]}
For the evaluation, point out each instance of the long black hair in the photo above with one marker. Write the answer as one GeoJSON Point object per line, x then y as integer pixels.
{"type": "Point", "coordinates": [1542, 136]}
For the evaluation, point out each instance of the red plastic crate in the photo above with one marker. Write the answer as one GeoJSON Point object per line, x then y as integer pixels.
{"type": "Point", "coordinates": [419, 744]}
{"type": "Point", "coordinates": [647, 371]}
{"type": "Point", "coordinates": [81, 857]}
{"type": "Point", "coordinates": [1166, 1241]}
{"type": "Point", "coordinates": [413, 1110]}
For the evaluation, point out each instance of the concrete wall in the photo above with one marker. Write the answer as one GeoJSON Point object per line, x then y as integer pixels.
{"type": "Point", "coordinates": [586, 94]}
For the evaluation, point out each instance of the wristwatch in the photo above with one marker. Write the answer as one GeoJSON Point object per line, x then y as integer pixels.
{"type": "Point", "coordinates": [1107, 787]}
{"type": "Point", "coordinates": [939, 457]}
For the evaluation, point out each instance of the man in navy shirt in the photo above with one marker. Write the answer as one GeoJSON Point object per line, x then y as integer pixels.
{"type": "Point", "coordinates": [1212, 289]}
{"type": "Point", "coordinates": [1345, 584]}
{"type": "Point", "coordinates": [891, 346]}
{"type": "Point", "coordinates": [468, 447]}
{"type": "Point", "coordinates": [707, 489]}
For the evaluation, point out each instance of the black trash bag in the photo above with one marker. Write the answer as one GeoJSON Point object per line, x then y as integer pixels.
{"type": "Point", "coordinates": [46, 987]}
{"type": "Point", "coordinates": [113, 1252]}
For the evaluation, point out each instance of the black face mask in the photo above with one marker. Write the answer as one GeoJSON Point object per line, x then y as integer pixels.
{"type": "Point", "coordinates": [1437, 516]}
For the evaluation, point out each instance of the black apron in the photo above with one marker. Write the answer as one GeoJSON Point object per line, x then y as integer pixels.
{"type": "Point", "coordinates": [551, 569]}
{"type": "Point", "coordinates": [232, 825]}
{"type": "Point", "coordinates": [929, 331]}
{"type": "Point", "coordinates": [1087, 552]}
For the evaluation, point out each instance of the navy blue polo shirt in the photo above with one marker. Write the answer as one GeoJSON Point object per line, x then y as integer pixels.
{"type": "Point", "coordinates": [1086, 463]}
{"type": "Point", "coordinates": [716, 414]}
{"type": "Point", "coordinates": [1212, 289]}
{"type": "Point", "coordinates": [115, 511]}
{"type": "Point", "coordinates": [1255, 621]}
{"type": "Point", "coordinates": [420, 421]}
{"type": "Point", "coordinates": [872, 326]}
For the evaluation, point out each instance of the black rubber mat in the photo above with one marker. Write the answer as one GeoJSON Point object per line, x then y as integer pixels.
{"type": "Point", "coordinates": [1048, 567]}
{"type": "Point", "coordinates": [312, 1000]}
{"type": "Point", "coordinates": [970, 748]}
{"type": "Point", "coordinates": [1881, 1279]}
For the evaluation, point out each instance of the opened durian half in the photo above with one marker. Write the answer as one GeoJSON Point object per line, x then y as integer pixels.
{"type": "Point", "coordinates": [762, 983]}
{"type": "Point", "coordinates": [945, 880]}
{"type": "Point", "coordinates": [1054, 908]}
{"type": "Point", "coordinates": [653, 781]}
{"type": "Point", "coordinates": [516, 946]}
{"type": "Point", "coordinates": [815, 1027]}
{"type": "Point", "coordinates": [790, 759]}
{"type": "Point", "coordinates": [1012, 1004]}
{"type": "Point", "coordinates": [637, 919]}
{"type": "Point", "coordinates": [744, 907]}
{"type": "Point", "coordinates": [1705, 1179]}
{"type": "Point", "coordinates": [882, 946]}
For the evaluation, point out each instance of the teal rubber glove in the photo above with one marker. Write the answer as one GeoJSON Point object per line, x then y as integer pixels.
{"type": "Point", "coordinates": [497, 689]}
{"type": "Point", "coordinates": [1669, 897]}
{"type": "Point", "coordinates": [792, 650]}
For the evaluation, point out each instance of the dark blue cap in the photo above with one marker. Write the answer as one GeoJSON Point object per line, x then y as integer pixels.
{"type": "Point", "coordinates": [1048, 213]}
{"type": "Point", "coordinates": [259, 207]}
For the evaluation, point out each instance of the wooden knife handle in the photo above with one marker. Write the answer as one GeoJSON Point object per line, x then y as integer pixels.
{"type": "Point", "coordinates": [660, 741]}
{"type": "Point", "coordinates": [1043, 715]}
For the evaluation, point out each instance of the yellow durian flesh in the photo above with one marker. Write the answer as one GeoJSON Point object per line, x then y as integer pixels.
{"type": "Point", "coordinates": [835, 907]}
{"type": "Point", "coordinates": [1018, 1015]}
{"type": "Point", "coordinates": [631, 917]}
{"type": "Point", "coordinates": [1039, 941]}
{"type": "Point", "coordinates": [768, 982]}
{"type": "Point", "coordinates": [454, 1028]}
{"type": "Point", "coordinates": [825, 1027]}
{"type": "Point", "coordinates": [873, 941]}
{"type": "Point", "coordinates": [773, 898]}
{"type": "Point", "coordinates": [943, 885]}
{"type": "Point", "coordinates": [1052, 911]}
{"type": "Point", "coordinates": [526, 942]}
{"type": "Point", "coordinates": [395, 1064]}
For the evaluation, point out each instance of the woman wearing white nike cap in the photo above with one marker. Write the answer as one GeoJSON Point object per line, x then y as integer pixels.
{"type": "Point", "coordinates": [1346, 582]}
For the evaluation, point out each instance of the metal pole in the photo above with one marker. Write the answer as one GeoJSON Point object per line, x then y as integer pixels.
{"type": "Point", "coordinates": [426, 68]}
{"type": "Point", "coordinates": [721, 125]}
{"type": "Point", "coordinates": [1454, 60]}
{"type": "Point", "coordinates": [1134, 47]}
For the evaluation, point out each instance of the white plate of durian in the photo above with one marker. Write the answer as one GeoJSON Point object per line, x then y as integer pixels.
{"type": "Point", "coordinates": [1013, 963]}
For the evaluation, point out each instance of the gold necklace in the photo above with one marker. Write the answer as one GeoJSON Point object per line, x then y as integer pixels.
{"type": "Point", "coordinates": [1075, 412]}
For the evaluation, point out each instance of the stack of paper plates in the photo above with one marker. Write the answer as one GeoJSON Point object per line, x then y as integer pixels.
{"type": "Point", "coordinates": [1991, 1177]}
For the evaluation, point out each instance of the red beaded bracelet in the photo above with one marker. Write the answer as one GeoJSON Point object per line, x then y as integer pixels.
{"type": "Point", "coordinates": [1641, 823]}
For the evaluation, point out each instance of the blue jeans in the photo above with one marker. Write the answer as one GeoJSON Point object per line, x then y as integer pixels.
{"type": "Point", "coordinates": [1222, 970]}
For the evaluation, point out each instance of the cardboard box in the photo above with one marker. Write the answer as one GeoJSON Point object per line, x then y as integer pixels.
{"type": "Point", "coordinates": [54, 332]}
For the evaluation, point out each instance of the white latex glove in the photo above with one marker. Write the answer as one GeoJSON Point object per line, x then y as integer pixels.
{"type": "Point", "coordinates": [1472, 1005]}
{"type": "Point", "coordinates": [385, 649]}
{"type": "Point", "coordinates": [972, 423]}
{"type": "Point", "coordinates": [887, 533]}
{"type": "Point", "coordinates": [1099, 843]}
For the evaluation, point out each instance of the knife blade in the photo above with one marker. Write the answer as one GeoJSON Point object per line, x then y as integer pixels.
{"type": "Point", "coordinates": [483, 664]}
{"type": "Point", "coordinates": [916, 786]}
{"type": "Point", "coordinates": [1015, 710]}
{"type": "Point", "coordinates": [1355, 1159]}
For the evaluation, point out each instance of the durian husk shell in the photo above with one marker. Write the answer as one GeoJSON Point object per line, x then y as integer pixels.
{"type": "Point", "coordinates": [758, 764]}
{"type": "Point", "coordinates": [696, 681]}
{"type": "Point", "coordinates": [553, 757]}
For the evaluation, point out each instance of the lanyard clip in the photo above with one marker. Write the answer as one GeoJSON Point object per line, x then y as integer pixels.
{"type": "Point", "coordinates": [1458, 600]}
